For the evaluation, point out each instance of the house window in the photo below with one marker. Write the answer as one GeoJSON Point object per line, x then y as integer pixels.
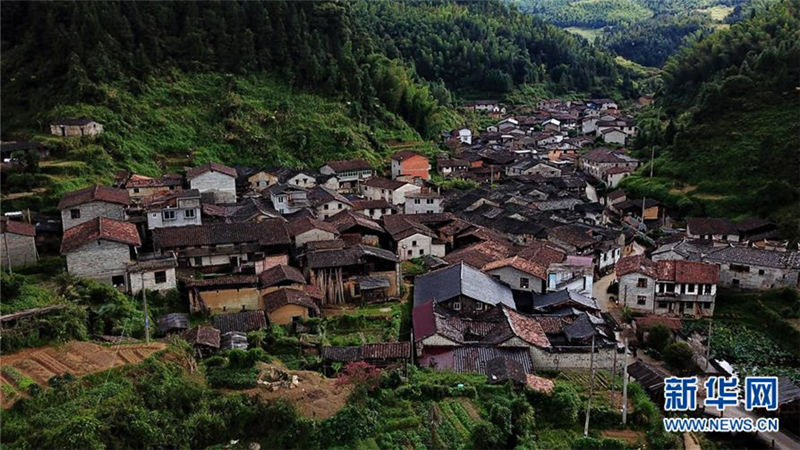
{"type": "Point", "coordinates": [761, 271]}
{"type": "Point", "coordinates": [457, 306]}
{"type": "Point", "coordinates": [416, 201]}
{"type": "Point", "coordinates": [739, 268]}
{"type": "Point", "coordinates": [189, 214]}
{"type": "Point", "coordinates": [524, 283]}
{"type": "Point", "coordinates": [641, 300]}
{"type": "Point", "coordinates": [198, 261]}
{"type": "Point", "coordinates": [75, 213]}
{"type": "Point", "coordinates": [478, 306]}
{"type": "Point", "coordinates": [422, 251]}
{"type": "Point", "coordinates": [411, 253]}
{"type": "Point", "coordinates": [234, 261]}
{"type": "Point", "coordinates": [707, 289]}
{"type": "Point", "coordinates": [706, 305]}
{"type": "Point", "coordinates": [413, 243]}
{"type": "Point", "coordinates": [430, 201]}
{"type": "Point", "coordinates": [161, 277]}
{"type": "Point", "coordinates": [662, 305]}
{"type": "Point", "coordinates": [118, 280]}
{"type": "Point", "coordinates": [642, 283]}
{"type": "Point", "coordinates": [135, 190]}
{"type": "Point", "coordinates": [340, 206]}
{"type": "Point", "coordinates": [691, 288]}
{"type": "Point", "coordinates": [168, 215]}
{"type": "Point", "coordinates": [325, 207]}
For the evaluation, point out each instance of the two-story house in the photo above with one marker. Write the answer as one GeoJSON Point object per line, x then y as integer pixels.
{"type": "Point", "coordinates": [409, 165]}
{"type": "Point", "coordinates": [326, 202]}
{"type": "Point", "coordinates": [393, 191]}
{"type": "Point", "coordinates": [667, 286]}
{"type": "Point", "coordinates": [349, 172]}
{"type": "Point", "coordinates": [215, 182]}
{"type": "Point", "coordinates": [92, 202]}
{"type": "Point", "coordinates": [463, 289]}
{"type": "Point", "coordinates": [288, 199]}
{"type": "Point", "coordinates": [423, 202]}
{"type": "Point", "coordinates": [140, 186]}
{"type": "Point", "coordinates": [173, 209]}
{"type": "Point", "coordinates": [101, 249]}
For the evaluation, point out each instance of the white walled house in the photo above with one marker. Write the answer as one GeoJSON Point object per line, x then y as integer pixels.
{"type": "Point", "coordinates": [157, 274]}
{"type": "Point", "coordinates": [415, 243]}
{"type": "Point", "coordinates": [423, 203]}
{"type": "Point", "coordinates": [393, 191]}
{"type": "Point", "coordinates": [89, 203]}
{"type": "Point", "coordinates": [214, 181]}
{"type": "Point", "coordinates": [174, 210]}
{"type": "Point", "coordinates": [288, 199]}
{"type": "Point", "coordinates": [327, 203]}
{"type": "Point", "coordinates": [101, 249]}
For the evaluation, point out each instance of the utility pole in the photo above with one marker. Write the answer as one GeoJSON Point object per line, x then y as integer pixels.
{"type": "Point", "coordinates": [591, 390]}
{"type": "Point", "coordinates": [614, 372]}
{"type": "Point", "coordinates": [146, 316]}
{"type": "Point", "coordinates": [708, 346]}
{"type": "Point", "coordinates": [625, 385]}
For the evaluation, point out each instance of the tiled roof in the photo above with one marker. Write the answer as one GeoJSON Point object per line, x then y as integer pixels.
{"type": "Point", "coordinates": [202, 335]}
{"type": "Point", "coordinates": [502, 369]}
{"type": "Point", "coordinates": [527, 328]}
{"type": "Point", "coordinates": [681, 271]}
{"type": "Point", "coordinates": [755, 257]}
{"type": "Point", "coordinates": [348, 256]}
{"type": "Point", "coordinates": [636, 264]}
{"type": "Point", "coordinates": [359, 205]}
{"type": "Point", "coordinates": [194, 172]}
{"type": "Point", "coordinates": [349, 165]}
{"type": "Point", "coordinates": [320, 195]}
{"type": "Point", "coordinates": [139, 181]}
{"type": "Point", "coordinates": [287, 296]}
{"type": "Point", "coordinates": [384, 183]}
{"type": "Point", "coordinates": [100, 228]}
{"type": "Point", "coordinates": [475, 358]}
{"type": "Point", "coordinates": [304, 224]}
{"type": "Point", "coordinates": [233, 280]}
{"type": "Point", "coordinates": [544, 302]}
{"type": "Point", "coordinates": [94, 193]}
{"type": "Point", "coordinates": [241, 321]}
{"type": "Point", "coordinates": [279, 274]}
{"type": "Point", "coordinates": [266, 232]}
{"type": "Point", "coordinates": [574, 235]}
{"type": "Point", "coordinates": [347, 220]}
{"type": "Point", "coordinates": [173, 321]}
{"type": "Point", "coordinates": [17, 227]}
{"type": "Point", "coordinates": [481, 253]}
{"type": "Point", "coordinates": [521, 264]}
{"type": "Point", "coordinates": [405, 154]}
{"type": "Point", "coordinates": [383, 350]}
{"type": "Point", "coordinates": [423, 320]}
{"type": "Point", "coordinates": [461, 279]}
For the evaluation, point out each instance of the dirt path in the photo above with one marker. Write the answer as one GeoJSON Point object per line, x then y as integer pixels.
{"type": "Point", "coordinates": [314, 396]}
{"type": "Point", "coordinates": [78, 358]}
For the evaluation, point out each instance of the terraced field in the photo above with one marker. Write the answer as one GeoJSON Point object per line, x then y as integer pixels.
{"type": "Point", "coordinates": [21, 369]}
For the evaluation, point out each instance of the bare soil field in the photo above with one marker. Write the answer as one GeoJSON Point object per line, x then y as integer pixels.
{"type": "Point", "coordinates": [77, 358]}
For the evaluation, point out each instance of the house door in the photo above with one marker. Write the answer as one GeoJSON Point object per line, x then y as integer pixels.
{"type": "Point", "coordinates": [63, 131]}
{"type": "Point", "coordinates": [681, 305]}
{"type": "Point", "coordinates": [234, 261]}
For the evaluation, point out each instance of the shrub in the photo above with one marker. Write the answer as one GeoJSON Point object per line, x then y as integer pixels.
{"type": "Point", "coordinates": [564, 405]}
{"type": "Point", "coordinates": [679, 356]}
{"type": "Point", "coordinates": [658, 337]}
{"type": "Point", "coordinates": [361, 375]}
{"type": "Point", "coordinates": [215, 361]}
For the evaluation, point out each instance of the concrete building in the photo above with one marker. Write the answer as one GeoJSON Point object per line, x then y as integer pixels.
{"type": "Point", "coordinates": [349, 172]}
{"type": "Point", "coordinates": [307, 230]}
{"type": "Point", "coordinates": [753, 268]}
{"type": "Point", "coordinates": [287, 199]}
{"type": "Point", "coordinates": [410, 165]}
{"type": "Point", "coordinates": [423, 203]}
{"type": "Point", "coordinates": [214, 181]}
{"type": "Point", "coordinates": [156, 274]}
{"type": "Point", "coordinates": [393, 191]}
{"type": "Point", "coordinates": [177, 209]}
{"type": "Point", "coordinates": [89, 203]}
{"type": "Point", "coordinates": [101, 249]}
{"type": "Point", "coordinates": [326, 202]}
{"type": "Point", "coordinates": [17, 244]}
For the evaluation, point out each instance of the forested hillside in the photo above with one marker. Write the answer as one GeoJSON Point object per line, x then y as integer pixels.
{"type": "Point", "coordinates": [725, 125]}
{"type": "Point", "coordinates": [643, 31]}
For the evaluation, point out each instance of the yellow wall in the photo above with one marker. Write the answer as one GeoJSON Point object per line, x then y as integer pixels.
{"type": "Point", "coordinates": [284, 314]}
{"type": "Point", "coordinates": [231, 299]}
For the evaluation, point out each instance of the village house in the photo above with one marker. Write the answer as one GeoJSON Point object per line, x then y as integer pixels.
{"type": "Point", "coordinates": [308, 229]}
{"type": "Point", "coordinates": [667, 286]}
{"type": "Point", "coordinates": [423, 202]}
{"type": "Point", "coordinates": [393, 191]}
{"type": "Point", "coordinates": [327, 202]}
{"type": "Point", "coordinates": [219, 295]}
{"type": "Point", "coordinates": [711, 228]}
{"type": "Point", "coordinates": [350, 173]}
{"type": "Point", "coordinates": [300, 178]}
{"type": "Point", "coordinates": [101, 249]}
{"type": "Point", "coordinates": [153, 274]}
{"type": "Point", "coordinates": [447, 166]}
{"type": "Point", "coordinates": [356, 227]}
{"type": "Point", "coordinates": [214, 181]}
{"type": "Point", "coordinates": [374, 209]}
{"type": "Point", "coordinates": [89, 203]}
{"type": "Point", "coordinates": [411, 238]}
{"type": "Point", "coordinates": [288, 199]}
{"type": "Point", "coordinates": [753, 268]}
{"type": "Point", "coordinates": [225, 247]}
{"type": "Point", "coordinates": [285, 306]}
{"type": "Point", "coordinates": [613, 136]}
{"type": "Point", "coordinates": [490, 106]}
{"type": "Point", "coordinates": [140, 186]}
{"type": "Point", "coordinates": [173, 209]}
{"type": "Point", "coordinates": [342, 273]}
{"type": "Point", "coordinates": [17, 244]}
{"type": "Point", "coordinates": [381, 354]}
{"type": "Point", "coordinates": [75, 127]}
{"type": "Point", "coordinates": [598, 161]}
{"type": "Point", "coordinates": [261, 180]}
{"type": "Point", "coordinates": [462, 289]}
{"type": "Point", "coordinates": [409, 165]}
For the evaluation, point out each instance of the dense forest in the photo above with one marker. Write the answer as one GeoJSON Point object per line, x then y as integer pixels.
{"type": "Point", "coordinates": [644, 31]}
{"type": "Point", "coordinates": [354, 50]}
{"type": "Point", "coordinates": [725, 123]}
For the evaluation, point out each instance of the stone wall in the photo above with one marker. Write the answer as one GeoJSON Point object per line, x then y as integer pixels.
{"type": "Point", "coordinates": [135, 280]}
{"type": "Point", "coordinates": [20, 250]}
{"type": "Point", "coordinates": [100, 260]}
{"type": "Point", "coordinates": [90, 210]}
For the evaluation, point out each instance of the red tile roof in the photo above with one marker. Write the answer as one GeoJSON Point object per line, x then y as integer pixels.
{"type": "Point", "coordinates": [138, 181]}
{"type": "Point", "coordinates": [266, 232]}
{"type": "Point", "coordinates": [521, 264]}
{"type": "Point", "coordinates": [681, 271]}
{"type": "Point", "coordinates": [280, 273]}
{"type": "Point", "coordinates": [543, 253]}
{"type": "Point", "coordinates": [527, 328]}
{"type": "Point", "coordinates": [304, 224]}
{"type": "Point", "coordinates": [194, 172]}
{"type": "Point", "coordinates": [16, 227]}
{"type": "Point", "coordinates": [100, 228]}
{"type": "Point", "coordinates": [636, 264]}
{"type": "Point", "coordinates": [94, 193]}
{"type": "Point", "coordinates": [287, 296]}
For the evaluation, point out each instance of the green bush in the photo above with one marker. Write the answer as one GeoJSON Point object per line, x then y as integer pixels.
{"type": "Point", "coordinates": [563, 406]}
{"type": "Point", "coordinates": [679, 356]}
{"type": "Point", "coordinates": [658, 337]}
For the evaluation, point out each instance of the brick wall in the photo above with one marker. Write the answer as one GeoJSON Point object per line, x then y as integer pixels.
{"type": "Point", "coordinates": [100, 260]}
{"type": "Point", "coordinates": [21, 250]}
{"type": "Point", "coordinates": [91, 210]}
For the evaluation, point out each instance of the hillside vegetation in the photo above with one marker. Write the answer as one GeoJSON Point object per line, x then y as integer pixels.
{"type": "Point", "coordinates": [725, 126]}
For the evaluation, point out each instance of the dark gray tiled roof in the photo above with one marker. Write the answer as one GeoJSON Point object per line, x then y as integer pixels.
{"type": "Point", "coordinates": [461, 279]}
